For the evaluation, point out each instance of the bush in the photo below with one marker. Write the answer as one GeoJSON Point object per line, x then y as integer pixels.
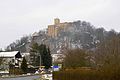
{"type": "Point", "coordinates": [79, 74]}
{"type": "Point", "coordinates": [15, 71]}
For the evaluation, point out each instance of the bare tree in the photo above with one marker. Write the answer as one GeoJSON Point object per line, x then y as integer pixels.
{"type": "Point", "coordinates": [75, 58]}
{"type": "Point", "coordinates": [108, 55]}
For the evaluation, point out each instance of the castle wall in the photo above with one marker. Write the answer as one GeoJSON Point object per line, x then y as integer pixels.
{"type": "Point", "coordinates": [53, 30]}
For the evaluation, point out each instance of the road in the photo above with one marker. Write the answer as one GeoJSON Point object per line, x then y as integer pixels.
{"type": "Point", "coordinates": [22, 78]}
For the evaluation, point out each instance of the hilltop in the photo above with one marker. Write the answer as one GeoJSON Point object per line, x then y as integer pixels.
{"type": "Point", "coordinates": [60, 36]}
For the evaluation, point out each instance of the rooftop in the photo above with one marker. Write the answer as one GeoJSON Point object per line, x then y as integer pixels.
{"type": "Point", "coordinates": [8, 54]}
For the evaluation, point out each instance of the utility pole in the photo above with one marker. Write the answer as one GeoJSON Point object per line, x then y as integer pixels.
{"type": "Point", "coordinates": [40, 60]}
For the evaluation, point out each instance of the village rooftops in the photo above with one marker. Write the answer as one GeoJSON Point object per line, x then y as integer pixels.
{"type": "Point", "coordinates": [10, 54]}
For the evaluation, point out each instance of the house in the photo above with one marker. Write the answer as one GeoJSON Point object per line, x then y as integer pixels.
{"type": "Point", "coordinates": [14, 58]}
{"type": "Point", "coordinates": [26, 55]}
{"type": "Point", "coordinates": [57, 57]}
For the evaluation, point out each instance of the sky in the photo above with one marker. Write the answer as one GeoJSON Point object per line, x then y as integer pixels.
{"type": "Point", "coordinates": [23, 17]}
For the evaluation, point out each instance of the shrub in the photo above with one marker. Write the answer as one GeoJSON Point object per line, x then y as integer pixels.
{"type": "Point", "coordinates": [79, 74]}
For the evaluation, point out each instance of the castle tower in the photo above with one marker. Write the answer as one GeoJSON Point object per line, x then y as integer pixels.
{"type": "Point", "coordinates": [56, 21]}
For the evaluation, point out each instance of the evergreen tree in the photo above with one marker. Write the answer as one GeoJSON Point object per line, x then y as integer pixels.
{"type": "Point", "coordinates": [24, 65]}
{"type": "Point", "coordinates": [43, 52]}
{"type": "Point", "coordinates": [46, 57]}
{"type": "Point", "coordinates": [1, 58]}
{"type": "Point", "coordinates": [35, 53]}
{"type": "Point", "coordinates": [49, 58]}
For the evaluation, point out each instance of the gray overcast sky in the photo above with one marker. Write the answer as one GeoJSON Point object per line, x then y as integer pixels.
{"type": "Point", "coordinates": [22, 17]}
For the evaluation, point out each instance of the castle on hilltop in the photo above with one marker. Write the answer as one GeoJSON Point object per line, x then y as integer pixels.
{"type": "Point", "coordinates": [57, 27]}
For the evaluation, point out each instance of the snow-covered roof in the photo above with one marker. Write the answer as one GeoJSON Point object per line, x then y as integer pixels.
{"type": "Point", "coordinates": [8, 54]}
{"type": "Point", "coordinates": [25, 54]}
{"type": "Point", "coordinates": [57, 55]}
{"type": "Point", "coordinates": [35, 34]}
{"type": "Point", "coordinates": [4, 72]}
